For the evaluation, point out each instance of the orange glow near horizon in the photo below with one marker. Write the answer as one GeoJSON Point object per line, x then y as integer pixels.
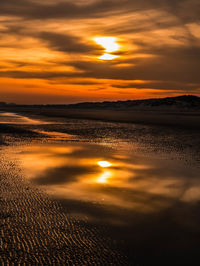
{"type": "Point", "coordinates": [36, 91]}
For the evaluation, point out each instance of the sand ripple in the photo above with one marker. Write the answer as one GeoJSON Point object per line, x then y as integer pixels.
{"type": "Point", "coordinates": [35, 231]}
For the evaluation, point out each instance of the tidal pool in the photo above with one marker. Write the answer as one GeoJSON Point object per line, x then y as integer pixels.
{"type": "Point", "coordinates": [151, 204]}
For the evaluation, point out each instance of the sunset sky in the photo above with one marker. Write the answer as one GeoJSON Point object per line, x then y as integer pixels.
{"type": "Point", "coordinates": [67, 51]}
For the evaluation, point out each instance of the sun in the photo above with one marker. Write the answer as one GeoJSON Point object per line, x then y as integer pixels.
{"type": "Point", "coordinates": [107, 56]}
{"type": "Point", "coordinates": [110, 45]}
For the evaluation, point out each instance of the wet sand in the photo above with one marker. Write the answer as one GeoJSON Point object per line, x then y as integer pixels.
{"type": "Point", "coordinates": [177, 118]}
{"type": "Point", "coordinates": [34, 228]}
{"type": "Point", "coordinates": [38, 228]}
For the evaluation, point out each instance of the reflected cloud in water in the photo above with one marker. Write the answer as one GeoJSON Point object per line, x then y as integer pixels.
{"type": "Point", "coordinates": [149, 202]}
{"type": "Point", "coordinates": [87, 172]}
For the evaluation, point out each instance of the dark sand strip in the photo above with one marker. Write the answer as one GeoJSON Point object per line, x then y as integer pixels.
{"type": "Point", "coordinates": [187, 119]}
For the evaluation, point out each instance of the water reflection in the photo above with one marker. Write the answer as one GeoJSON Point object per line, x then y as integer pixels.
{"type": "Point", "coordinates": [149, 202]}
{"type": "Point", "coordinates": [93, 173]}
{"type": "Point", "coordinates": [12, 118]}
{"type": "Point", "coordinates": [104, 164]}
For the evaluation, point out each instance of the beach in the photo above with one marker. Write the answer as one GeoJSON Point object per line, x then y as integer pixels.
{"type": "Point", "coordinates": [152, 116]}
{"type": "Point", "coordinates": [99, 132]}
{"type": "Point", "coordinates": [60, 205]}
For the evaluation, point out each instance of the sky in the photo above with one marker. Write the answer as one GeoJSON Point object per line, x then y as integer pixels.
{"type": "Point", "coordinates": [67, 51]}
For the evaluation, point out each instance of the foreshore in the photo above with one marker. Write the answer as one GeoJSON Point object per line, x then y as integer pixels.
{"type": "Point", "coordinates": [150, 117]}
{"type": "Point", "coordinates": [38, 228]}
{"type": "Point", "coordinates": [34, 228]}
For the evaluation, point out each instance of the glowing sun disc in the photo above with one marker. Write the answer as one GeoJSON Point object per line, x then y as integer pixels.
{"type": "Point", "coordinates": [107, 56]}
{"type": "Point", "coordinates": [109, 43]}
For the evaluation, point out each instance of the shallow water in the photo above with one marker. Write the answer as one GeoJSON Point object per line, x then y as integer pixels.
{"type": "Point", "coordinates": [150, 204]}
{"type": "Point", "coordinates": [16, 119]}
{"type": "Point", "coordinates": [95, 173]}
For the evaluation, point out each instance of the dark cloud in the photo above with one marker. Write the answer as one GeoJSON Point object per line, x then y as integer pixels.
{"type": "Point", "coordinates": [187, 10]}
{"type": "Point", "coordinates": [63, 42]}
{"type": "Point", "coordinates": [67, 43]}
{"type": "Point", "coordinates": [162, 85]}
{"type": "Point", "coordinates": [166, 64]}
{"type": "Point", "coordinates": [20, 74]}
{"type": "Point", "coordinates": [24, 8]}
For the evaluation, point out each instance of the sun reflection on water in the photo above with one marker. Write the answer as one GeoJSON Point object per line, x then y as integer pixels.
{"type": "Point", "coordinates": [104, 164]}
{"type": "Point", "coordinates": [103, 178]}
{"type": "Point", "coordinates": [139, 197]}
{"type": "Point", "coordinates": [77, 172]}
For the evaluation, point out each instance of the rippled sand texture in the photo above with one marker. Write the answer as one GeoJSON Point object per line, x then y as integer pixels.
{"type": "Point", "coordinates": [104, 215]}
{"type": "Point", "coordinates": [35, 231]}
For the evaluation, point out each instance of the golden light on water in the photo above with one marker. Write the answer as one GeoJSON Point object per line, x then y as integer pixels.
{"type": "Point", "coordinates": [104, 164]}
{"type": "Point", "coordinates": [110, 45]}
{"type": "Point", "coordinates": [103, 178]}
